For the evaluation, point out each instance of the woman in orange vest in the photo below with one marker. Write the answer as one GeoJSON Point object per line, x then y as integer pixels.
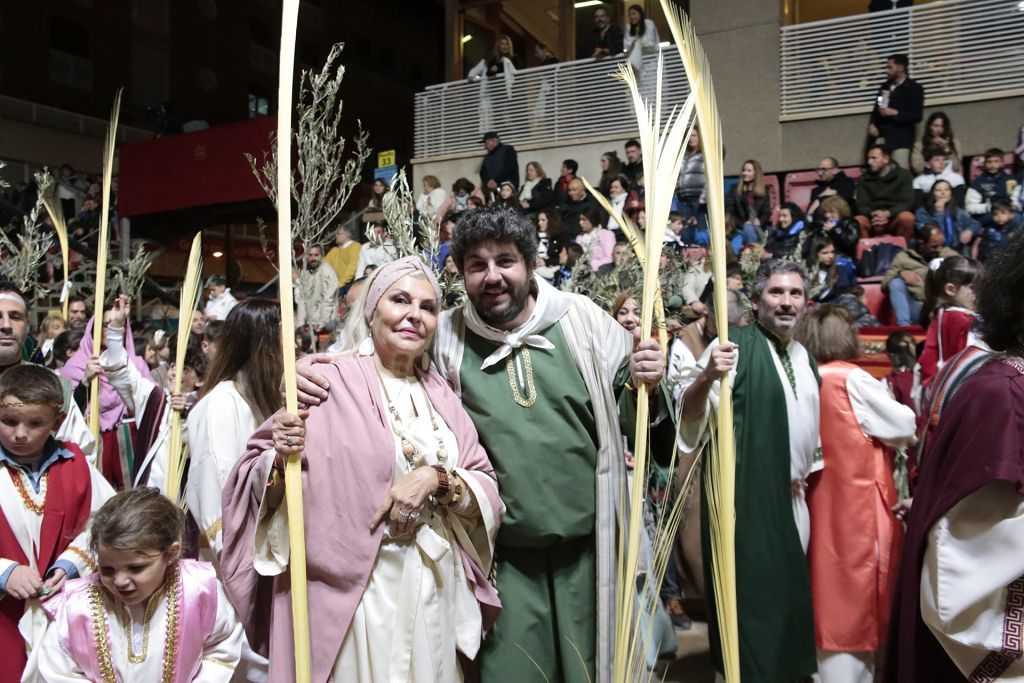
{"type": "Point", "coordinates": [855, 539]}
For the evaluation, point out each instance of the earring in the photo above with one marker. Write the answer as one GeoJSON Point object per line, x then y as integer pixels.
{"type": "Point", "coordinates": [366, 347]}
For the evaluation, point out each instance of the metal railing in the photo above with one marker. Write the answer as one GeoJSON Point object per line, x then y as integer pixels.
{"type": "Point", "coordinates": [60, 119]}
{"type": "Point", "coordinates": [569, 101]}
{"type": "Point", "coordinates": [959, 50]}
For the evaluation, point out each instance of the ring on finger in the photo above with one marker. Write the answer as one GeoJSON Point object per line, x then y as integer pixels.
{"type": "Point", "coordinates": [288, 440]}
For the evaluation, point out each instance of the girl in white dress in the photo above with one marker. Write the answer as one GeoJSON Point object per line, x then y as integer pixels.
{"type": "Point", "coordinates": [147, 615]}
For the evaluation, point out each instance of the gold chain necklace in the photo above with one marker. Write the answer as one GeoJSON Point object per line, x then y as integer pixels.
{"type": "Point", "coordinates": [101, 633]}
{"type": "Point", "coordinates": [513, 381]}
{"type": "Point", "coordinates": [409, 449]}
{"type": "Point", "coordinates": [18, 478]}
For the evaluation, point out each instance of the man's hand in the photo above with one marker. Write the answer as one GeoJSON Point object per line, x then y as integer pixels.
{"type": "Point", "coordinates": [910, 277]}
{"type": "Point", "coordinates": [723, 360]}
{"type": "Point", "coordinates": [23, 583]}
{"type": "Point", "coordinates": [312, 387]}
{"type": "Point", "coordinates": [873, 130]}
{"type": "Point", "coordinates": [887, 112]}
{"type": "Point", "coordinates": [647, 364]}
{"type": "Point", "coordinates": [492, 185]}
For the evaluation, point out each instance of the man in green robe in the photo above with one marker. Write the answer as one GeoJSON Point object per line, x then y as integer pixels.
{"type": "Point", "coordinates": [775, 404]}
{"type": "Point", "coordinates": [536, 370]}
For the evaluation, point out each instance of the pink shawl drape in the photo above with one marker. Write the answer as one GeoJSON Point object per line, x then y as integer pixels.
{"type": "Point", "coordinates": [347, 472]}
{"type": "Point", "coordinates": [112, 408]}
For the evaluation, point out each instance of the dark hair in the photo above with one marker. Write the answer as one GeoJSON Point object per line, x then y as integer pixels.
{"type": "Point", "coordinates": [638, 28]}
{"type": "Point", "coordinates": [929, 201]}
{"type": "Point", "coordinates": [32, 385]}
{"type": "Point", "coordinates": [954, 270]}
{"type": "Point", "coordinates": [68, 340]}
{"type": "Point", "coordinates": [250, 355]}
{"type": "Point", "coordinates": [594, 215]}
{"type": "Point", "coordinates": [572, 165]}
{"type": "Point", "coordinates": [947, 128]}
{"type": "Point", "coordinates": [632, 142]}
{"type": "Point", "coordinates": [495, 223]}
{"type": "Point", "coordinates": [674, 216]}
{"type": "Point", "coordinates": [998, 302]}
{"type": "Point", "coordinates": [900, 59]}
{"type": "Point", "coordinates": [622, 180]}
{"type": "Point", "coordinates": [1003, 204]}
{"type": "Point", "coordinates": [463, 184]}
{"type": "Point", "coordinates": [775, 267]}
{"type": "Point", "coordinates": [933, 151]}
{"type": "Point", "coordinates": [902, 350]}
{"type": "Point", "coordinates": [795, 211]}
{"type": "Point", "coordinates": [993, 152]}
{"type": "Point", "coordinates": [195, 359]}
{"type": "Point", "coordinates": [817, 244]}
{"type": "Point", "coordinates": [140, 519]}
{"type": "Point", "coordinates": [829, 333]}
{"type": "Point", "coordinates": [733, 268]}
{"type": "Point", "coordinates": [212, 330]}
{"type": "Point", "coordinates": [574, 252]}
{"type": "Point", "coordinates": [883, 148]}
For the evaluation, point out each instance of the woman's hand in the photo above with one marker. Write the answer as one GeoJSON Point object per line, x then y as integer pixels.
{"type": "Point", "coordinates": [312, 386]}
{"type": "Point", "coordinates": [289, 432]}
{"type": "Point", "coordinates": [53, 585]}
{"type": "Point", "coordinates": [92, 369]}
{"type": "Point", "coordinates": [406, 497]}
{"type": "Point", "coordinates": [178, 402]}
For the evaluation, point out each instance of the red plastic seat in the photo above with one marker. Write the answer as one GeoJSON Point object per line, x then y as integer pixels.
{"type": "Point", "coordinates": [797, 187]}
{"type": "Point", "coordinates": [878, 302]}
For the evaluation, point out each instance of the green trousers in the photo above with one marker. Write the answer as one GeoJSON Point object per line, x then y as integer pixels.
{"type": "Point", "coordinates": [548, 624]}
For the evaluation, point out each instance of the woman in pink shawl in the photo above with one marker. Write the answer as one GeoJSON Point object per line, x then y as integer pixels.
{"type": "Point", "coordinates": [401, 503]}
{"type": "Point", "coordinates": [117, 426]}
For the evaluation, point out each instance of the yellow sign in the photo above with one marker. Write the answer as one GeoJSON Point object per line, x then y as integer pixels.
{"type": "Point", "coordinates": [386, 158]}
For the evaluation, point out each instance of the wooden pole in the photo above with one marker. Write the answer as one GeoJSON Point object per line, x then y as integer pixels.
{"type": "Point", "coordinates": [293, 467]}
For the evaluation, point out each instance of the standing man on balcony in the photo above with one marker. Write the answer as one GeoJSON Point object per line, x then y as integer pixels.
{"type": "Point", "coordinates": [898, 110]}
{"type": "Point", "coordinates": [501, 164]}
{"type": "Point", "coordinates": [607, 38]}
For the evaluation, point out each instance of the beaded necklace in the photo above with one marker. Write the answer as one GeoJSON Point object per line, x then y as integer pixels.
{"type": "Point", "coordinates": [411, 452]}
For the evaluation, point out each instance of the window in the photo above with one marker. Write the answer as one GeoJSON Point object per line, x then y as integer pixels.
{"type": "Point", "coordinates": [259, 105]}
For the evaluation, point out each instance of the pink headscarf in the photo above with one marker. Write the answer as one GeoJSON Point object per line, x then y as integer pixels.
{"type": "Point", "coordinates": [389, 274]}
{"type": "Point", "coordinates": [112, 408]}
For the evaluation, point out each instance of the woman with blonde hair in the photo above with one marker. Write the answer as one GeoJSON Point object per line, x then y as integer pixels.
{"type": "Point", "coordinates": [406, 502]}
{"type": "Point", "coordinates": [855, 539]}
{"type": "Point", "coordinates": [433, 197]}
{"type": "Point", "coordinates": [536, 194]}
{"type": "Point", "coordinates": [504, 51]}
{"type": "Point", "coordinates": [750, 204]}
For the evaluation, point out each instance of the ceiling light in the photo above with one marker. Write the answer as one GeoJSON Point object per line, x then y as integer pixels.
{"type": "Point", "coordinates": [587, 3]}
{"type": "Point", "coordinates": [218, 254]}
{"type": "Point", "coordinates": [466, 39]}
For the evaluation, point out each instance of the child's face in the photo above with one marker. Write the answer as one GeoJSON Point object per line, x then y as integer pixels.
{"type": "Point", "coordinates": [25, 427]}
{"type": "Point", "coordinates": [506, 191]}
{"type": "Point", "coordinates": [827, 256]}
{"type": "Point", "coordinates": [963, 296]}
{"type": "Point", "coordinates": [1001, 216]}
{"type": "Point", "coordinates": [993, 164]}
{"type": "Point", "coordinates": [54, 328]}
{"type": "Point", "coordinates": [676, 225]}
{"type": "Point", "coordinates": [734, 282]}
{"type": "Point", "coordinates": [189, 378]}
{"type": "Point", "coordinates": [133, 576]}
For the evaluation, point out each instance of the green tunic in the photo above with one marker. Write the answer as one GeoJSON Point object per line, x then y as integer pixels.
{"type": "Point", "coordinates": [776, 623]}
{"type": "Point", "coordinates": [545, 457]}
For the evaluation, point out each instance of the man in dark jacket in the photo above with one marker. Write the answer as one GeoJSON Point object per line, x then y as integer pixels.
{"type": "Point", "coordinates": [576, 202]}
{"type": "Point", "coordinates": [607, 38]}
{"type": "Point", "coordinates": [885, 197]}
{"type": "Point", "coordinates": [832, 182]}
{"type": "Point", "coordinates": [500, 165]}
{"type": "Point", "coordinates": [898, 110]}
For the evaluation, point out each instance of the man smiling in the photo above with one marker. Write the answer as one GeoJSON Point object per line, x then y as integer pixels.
{"type": "Point", "coordinates": [775, 395]}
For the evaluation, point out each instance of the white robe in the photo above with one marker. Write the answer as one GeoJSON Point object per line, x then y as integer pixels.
{"type": "Point", "coordinates": [27, 526]}
{"type": "Point", "coordinates": [218, 429]}
{"type": "Point", "coordinates": [220, 653]}
{"type": "Point", "coordinates": [974, 558]}
{"type": "Point", "coordinates": [418, 606]}
{"type": "Point", "coordinates": [802, 418]}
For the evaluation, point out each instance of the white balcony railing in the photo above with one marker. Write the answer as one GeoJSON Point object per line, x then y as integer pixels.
{"type": "Point", "coordinates": [959, 50]}
{"type": "Point", "coordinates": [570, 101]}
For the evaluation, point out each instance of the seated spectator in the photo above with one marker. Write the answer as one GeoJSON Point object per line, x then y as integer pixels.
{"type": "Point", "coordinates": [832, 182]}
{"type": "Point", "coordinates": [380, 188]}
{"type": "Point", "coordinates": [550, 235]}
{"type": "Point", "coordinates": [635, 203]}
{"type": "Point", "coordinates": [595, 238]}
{"type": "Point", "coordinates": [618, 193]}
{"type": "Point", "coordinates": [611, 168]}
{"type": "Point", "coordinates": [1001, 224]}
{"type": "Point", "coordinates": [458, 200]}
{"type": "Point", "coordinates": [565, 176]}
{"type": "Point", "coordinates": [507, 197]}
{"type": "Point", "coordinates": [959, 229]}
{"type": "Point", "coordinates": [784, 238]}
{"type": "Point", "coordinates": [433, 198]}
{"type": "Point", "coordinates": [993, 183]}
{"type": "Point", "coordinates": [750, 203]}
{"type": "Point", "coordinates": [568, 255]}
{"type": "Point", "coordinates": [904, 280]}
{"type": "Point", "coordinates": [576, 202]}
{"type": "Point", "coordinates": [938, 133]}
{"type": "Point", "coordinates": [634, 160]}
{"type": "Point", "coordinates": [885, 197]}
{"type": "Point", "coordinates": [833, 221]}
{"type": "Point", "coordinates": [536, 193]}
{"type": "Point", "coordinates": [855, 301]}
{"type": "Point", "coordinates": [691, 188]}
{"type": "Point", "coordinates": [674, 232]}
{"type": "Point", "coordinates": [830, 274]}
{"type": "Point", "coordinates": [937, 168]}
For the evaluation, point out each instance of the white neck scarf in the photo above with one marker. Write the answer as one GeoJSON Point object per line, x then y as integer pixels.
{"type": "Point", "coordinates": [549, 307]}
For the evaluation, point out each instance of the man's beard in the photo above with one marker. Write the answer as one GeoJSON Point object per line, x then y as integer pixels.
{"type": "Point", "coordinates": [77, 324]}
{"type": "Point", "coordinates": [768, 322]}
{"type": "Point", "coordinates": [518, 297]}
